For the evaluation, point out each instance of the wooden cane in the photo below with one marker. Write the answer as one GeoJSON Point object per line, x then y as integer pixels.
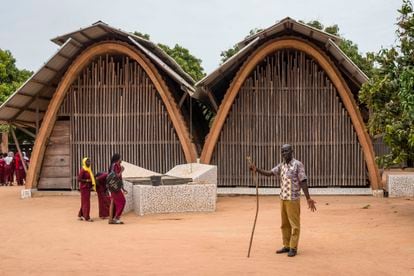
{"type": "Point", "coordinates": [249, 160]}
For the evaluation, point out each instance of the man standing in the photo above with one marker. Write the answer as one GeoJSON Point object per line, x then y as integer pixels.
{"type": "Point", "coordinates": [292, 179]}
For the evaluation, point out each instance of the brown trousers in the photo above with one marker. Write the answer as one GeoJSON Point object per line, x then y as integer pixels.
{"type": "Point", "coordinates": [290, 212]}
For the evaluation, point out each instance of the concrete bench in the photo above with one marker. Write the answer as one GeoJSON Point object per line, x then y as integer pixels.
{"type": "Point", "coordinates": [400, 184]}
{"type": "Point", "coordinates": [199, 195]}
{"type": "Point", "coordinates": [190, 197]}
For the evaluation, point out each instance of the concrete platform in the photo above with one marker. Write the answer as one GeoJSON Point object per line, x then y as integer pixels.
{"type": "Point", "coordinates": [41, 193]}
{"type": "Point", "coordinates": [312, 191]}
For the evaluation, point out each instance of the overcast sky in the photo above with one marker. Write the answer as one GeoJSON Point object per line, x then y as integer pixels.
{"type": "Point", "coordinates": [204, 27]}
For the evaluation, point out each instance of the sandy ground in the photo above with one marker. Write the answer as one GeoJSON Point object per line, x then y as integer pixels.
{"type": "Point", "coordinates": [41, 236]}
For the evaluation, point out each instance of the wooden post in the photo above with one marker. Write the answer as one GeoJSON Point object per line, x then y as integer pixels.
{"type": "Point", "coordinates": [18, 148]}
{"type": "Point", "coordinates": [26, 131]}
{"type": "Point", "coordinates": [5, 141]}
{"type": "Point", "coordinates": [37, 115]}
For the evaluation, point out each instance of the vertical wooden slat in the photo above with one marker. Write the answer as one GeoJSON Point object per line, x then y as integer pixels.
{"type": "Point", "coordinates": [114, 107]}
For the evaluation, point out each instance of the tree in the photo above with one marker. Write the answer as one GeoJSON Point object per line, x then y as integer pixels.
{"type": "Point", "coordinates": [143, 35]}
{"type": "Point", "coordinates": [389, 94]}
{"type": "Point", "coordinates": [188, 62]}
{"type": "Point", "coordinates": [10, 76]}
{"type": "Point", "coordinates": [316, 24]}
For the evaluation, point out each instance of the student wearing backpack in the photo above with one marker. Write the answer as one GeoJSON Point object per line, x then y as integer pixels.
{"type": "Point", "coordinates": [117, 196]}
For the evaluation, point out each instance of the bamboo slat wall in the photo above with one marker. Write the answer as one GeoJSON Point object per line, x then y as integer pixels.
{"type": "Point", "coordinates": [113, 107]}
{"type": "Point", "coordinates": [289, 99]}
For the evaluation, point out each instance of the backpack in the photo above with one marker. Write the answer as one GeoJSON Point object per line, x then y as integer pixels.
{"type": "Point", "coordinates": [113, 182]}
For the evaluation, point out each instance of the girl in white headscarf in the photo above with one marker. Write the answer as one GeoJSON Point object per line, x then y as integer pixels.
{"type": "Point", "coordinates": [9, 169]}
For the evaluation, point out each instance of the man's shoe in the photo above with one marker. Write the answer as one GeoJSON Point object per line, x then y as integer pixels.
{"type": "Point", "coordinates": [292, 252]}
{"type": "Point", "coordinates": [283, 250]}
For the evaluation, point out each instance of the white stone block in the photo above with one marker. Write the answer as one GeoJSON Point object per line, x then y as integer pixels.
{"type": "Point", "coordinates": [378, 193]}
{"type": "Point", "coordinates": [25, 193]}
{"type": "Point", "coordinates": [200, 173]}
{"type": "Point", "coordinates": [174, 198]}
{"type": "Point", "coordinates": [400, 185]}
{"type": "Point", "coordinates": [129, 205]}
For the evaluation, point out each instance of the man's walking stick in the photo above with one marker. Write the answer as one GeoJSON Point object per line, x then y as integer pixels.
{"type": "Point", "coordinates": [249, 160]}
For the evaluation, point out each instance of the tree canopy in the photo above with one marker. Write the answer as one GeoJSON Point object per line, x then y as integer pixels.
{"type": "Point", "coordinates": [389, 94]}
{"type": "Point", "coordinates": [143, 35]}
{"type": "Point", "coordinates": [188, 62]}
{"type": "Point", "coordinates": [10, 76]}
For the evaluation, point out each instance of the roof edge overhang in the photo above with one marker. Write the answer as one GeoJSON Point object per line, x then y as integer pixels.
{"type": "Point", "coordinates": [231, 62]}
{"type": "Point", "coordinates": [355, 72]}
{"type": "Point", "coordinates": [99, 29]}
{"type": "Point", "coordinates": [21, 99]}
{"type": "Point", "coordinates": [291, 24]}
{"type": "Point", "coordinates": [184, 84]}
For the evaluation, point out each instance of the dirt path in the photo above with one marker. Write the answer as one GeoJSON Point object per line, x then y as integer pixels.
{"type": "Point", "coordinates": [41, 236]}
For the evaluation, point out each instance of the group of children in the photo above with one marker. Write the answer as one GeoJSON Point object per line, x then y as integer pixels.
{"type": "Point", "coordinates": [11, 168]}
{"type": "Point", "coordinates": [110, 203]}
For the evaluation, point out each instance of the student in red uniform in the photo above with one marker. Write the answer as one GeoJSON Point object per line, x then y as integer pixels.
{"type": "Point", "coordinates": [86, 183]}
{"type": "Point", "coordinates": [19, 169]}
{"type": "Point", "coordinates": [103, 195]}
{"type": "Point", "coordinates": [2, 165]}
{"type": "Point", "coordinates": [117, 198]}
{"type": "Point", "coordinates": [9, 169]}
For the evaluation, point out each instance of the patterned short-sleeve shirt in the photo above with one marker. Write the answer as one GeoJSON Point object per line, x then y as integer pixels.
{"type": "Point", "coordinates": [291, 174]}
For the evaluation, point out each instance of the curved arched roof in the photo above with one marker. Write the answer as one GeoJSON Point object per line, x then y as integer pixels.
{"type": "Point", "coordinates": [205, 88]}
{"type": "Point", "coordinates": [33, 97]}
